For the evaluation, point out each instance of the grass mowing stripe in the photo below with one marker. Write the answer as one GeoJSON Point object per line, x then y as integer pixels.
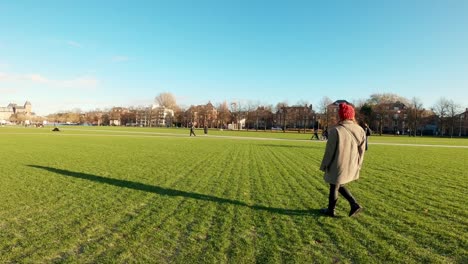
{"type": "Point", "coordinates": [284, 179]}
{"type": "Point", "coordinates": [405, 237]}
{"type": "Point", "coordinates": [237, 246]}
{"type": "Point", "coordinates": [37, 220]}
{"type": "Point", "coordinates": [260, 232]}
{"type": "Point", "coordinates": [240, 178]}
{"type": "Point", "coordinates": [308, 195]}
{"type": "Point", "coordinates": [229, 202]}
{"type": "Point", "coordinates": [411, 225]}
{"type": "Point", "coordinates": [421, 192]}
{"type": "Point", "coordinates": [286, 164]}
{"type": "Point", "coordinates": [409, 248]}
{"type": "Point", "coordinates": [222, 222]}
{"type": "Point", "coordinates": [139, 225]}
{"type": "Point", "coordinates": [138, 230]}
{"type": "Point", "coordinates": [285, 227]}
{"type": "Point", "coordinates": [189, 239]}
{"type": "Point", "coordinates": [181, 213]}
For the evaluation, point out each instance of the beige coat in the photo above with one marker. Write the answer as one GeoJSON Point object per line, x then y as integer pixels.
{"type": "Point", "coordinates": [344, 153]}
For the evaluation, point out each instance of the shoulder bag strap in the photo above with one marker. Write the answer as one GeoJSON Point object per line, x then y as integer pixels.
{"type": "Point", "coordinates": [354, 136]}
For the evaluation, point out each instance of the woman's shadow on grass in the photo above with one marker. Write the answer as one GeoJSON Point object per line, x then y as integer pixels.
{"type": "Point", "coordinates": [171, 192]}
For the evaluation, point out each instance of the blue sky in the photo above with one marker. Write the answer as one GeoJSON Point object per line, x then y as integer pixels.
{"type": "Point", "coordinates": [62, 55]}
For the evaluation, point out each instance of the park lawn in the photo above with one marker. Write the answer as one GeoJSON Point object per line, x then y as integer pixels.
{"type": "Point", "coordinates": [84, 196]}
{"type": "Point", "coordinates": [290, 135]}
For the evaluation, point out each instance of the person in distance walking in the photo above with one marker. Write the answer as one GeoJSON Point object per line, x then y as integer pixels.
{"type": "Point", "coordinates": [192, 130]}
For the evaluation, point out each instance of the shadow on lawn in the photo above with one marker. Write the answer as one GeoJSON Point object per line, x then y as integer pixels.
{"type": "Point", "coordinates": [171, 192]}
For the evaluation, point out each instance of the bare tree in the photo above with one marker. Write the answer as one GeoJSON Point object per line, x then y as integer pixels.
{"type": "Point", "coordinates": [236, 110]}
{"type": "Point", "coordinates": [263, 117]}
{"type": "Point", "coordinates": [454, 110]}
{"type": "Point", "coordinates": [415, 111]}
{"type": "Point", "coordinates": [251, 116]}
{"type": "Point", "coordinates": [128, 118]}
{"type": "Point", "coordinates": [166, 100]}
{"type": "Point", "coordinates": [179, 117]}
{"type": "Point", "coordinates": [37, 119]}
{"type": "Point", "coordinates": [323, 109]}
{"type": "Point", "coordinates": [387, 98]}
{"type": "Point", "coordinates": [281, 115]}
{"type": "Point", "coordinates": [324, 103]}
{"type": "Point", "coordinates": [202, 114]}
{"type": "Point", "coordinates": [224, 114]}
{"type": "Point", "coordinates": [365, 113]}
{"type": "Point", "coordinates": [14, 118]}
{"type": "Point", "coordinates": [381, 108]}
{"type": "Point", "coordinates": [441, 109]}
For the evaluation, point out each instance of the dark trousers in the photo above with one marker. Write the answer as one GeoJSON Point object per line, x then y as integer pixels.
{"type": "Point", "coordinates": [333, 196]}
{"type": "Point", "coordinates": [315, 135]}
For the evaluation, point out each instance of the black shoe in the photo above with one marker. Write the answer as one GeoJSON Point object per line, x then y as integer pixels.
{"type": "Point", "coordinates": [355, 209]}
{"type": "Point", "coordinates": [328, 212]}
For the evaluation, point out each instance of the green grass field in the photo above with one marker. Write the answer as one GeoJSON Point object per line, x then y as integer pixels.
{"type": "Point", "coordinates": [100, 195]}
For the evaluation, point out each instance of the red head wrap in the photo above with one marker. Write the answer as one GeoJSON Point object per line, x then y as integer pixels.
{"type": "Point", "coordinates": [345, 111]}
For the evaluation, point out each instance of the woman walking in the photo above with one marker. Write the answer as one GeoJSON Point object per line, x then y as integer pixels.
{"type": "Point", "coordinates": [343, 159]}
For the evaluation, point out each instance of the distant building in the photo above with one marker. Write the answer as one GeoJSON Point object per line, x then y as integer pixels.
{"type": "Point", "coordinates": [393, 117]}
{"type": "Point", "coordinates": [202, 115]}
{"type": "Point", "coordinates": [162, 116]}
{"type": "Point", "coordinates": [11, 109]}
{"type": "Point", "coordinates": [116, 115]}
{"type": "Point", "coordinates": [462, 128]}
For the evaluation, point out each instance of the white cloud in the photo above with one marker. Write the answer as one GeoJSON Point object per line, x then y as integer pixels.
{"type": "Point", "coordinates": [82, 82]}
{"type": "Point", "coordinates": [36, 78]}
{"type": "Point", "coordinates": [3, 76]}
{"type": "Point", "coordinates": [74, 44]}
{"type": "Point", "coordinates": [8, 91]}
{"type": "Point", "coordinates": [7, 76]}
{"type": "Point", "coordinates": [120, 59]}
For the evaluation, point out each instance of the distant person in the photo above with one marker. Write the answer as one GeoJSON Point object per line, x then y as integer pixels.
{"type": "Point", "coordinates": [192, 130]}
{"type": "Point", "coordinates": [343, 159]}
{"type": "Point", "coordinates": [205, 130]}
{"type": "Point", "coordinates": [325, 134]}
{"type": "Point", "coordinates": [315, 135]}
{"type": "Point", "coordinates": [410, 133]}
{"type": "Point", "coordinates": [368, 132]}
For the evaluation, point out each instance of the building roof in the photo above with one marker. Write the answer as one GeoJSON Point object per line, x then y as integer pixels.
{"type": "Point", "coordinates": [337, 102]}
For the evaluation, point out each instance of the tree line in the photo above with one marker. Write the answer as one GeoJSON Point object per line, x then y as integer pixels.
{"type": "Point", "coordinates": [385, 113]}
